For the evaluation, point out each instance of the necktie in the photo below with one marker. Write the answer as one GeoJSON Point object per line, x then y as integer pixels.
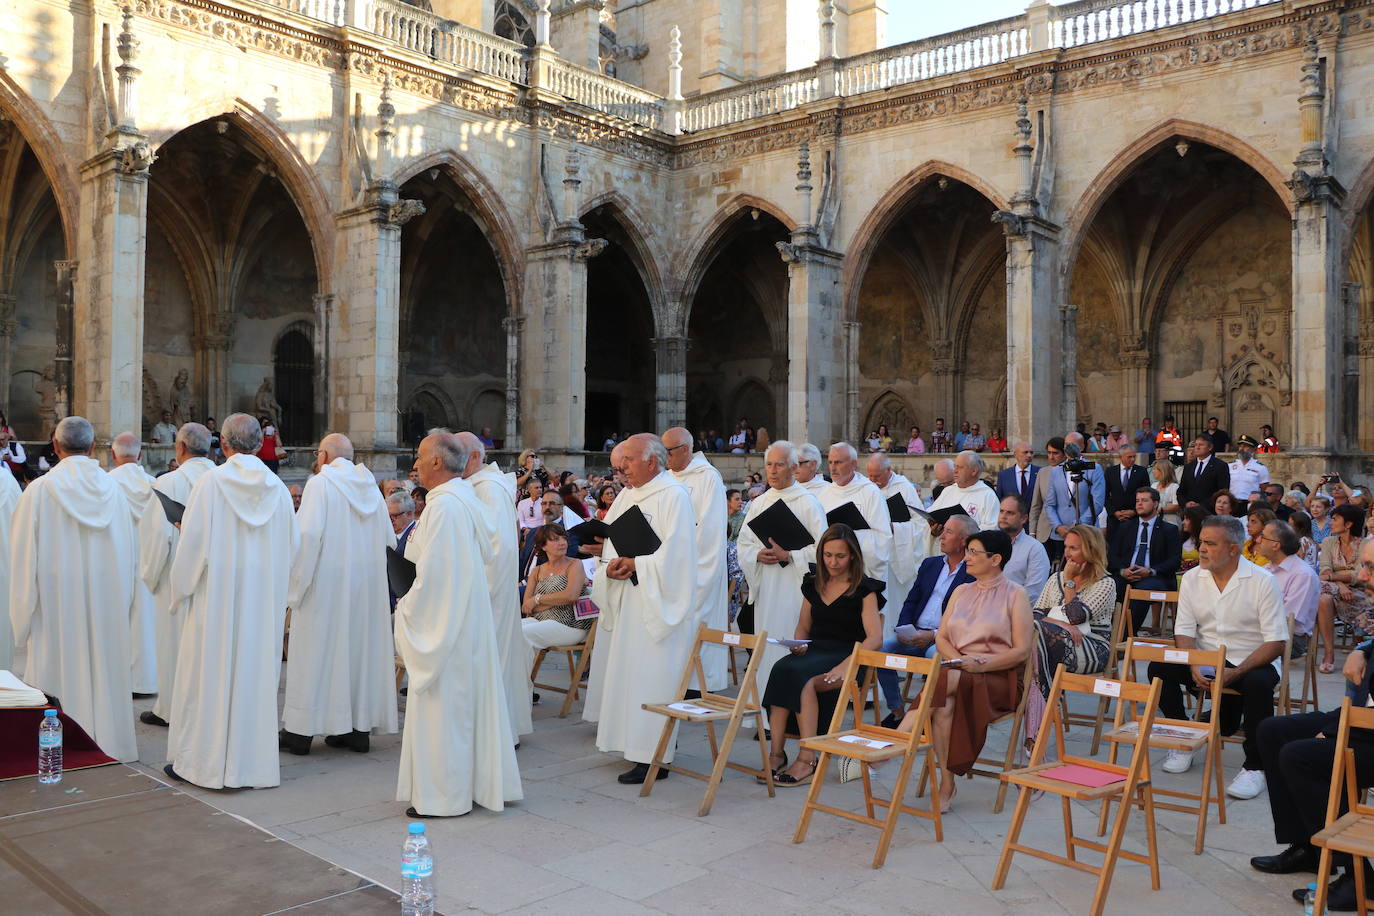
{"type": "Point", "coordinates": [1024, 495]}
{"type": "Point", "coordinates": [1125, 477]}
{"type": "Point", "coordinates": [1142, 549]}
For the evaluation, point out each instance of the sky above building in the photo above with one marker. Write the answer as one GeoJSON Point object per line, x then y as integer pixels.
{"type": "Point", "coordinates": [908, 20]}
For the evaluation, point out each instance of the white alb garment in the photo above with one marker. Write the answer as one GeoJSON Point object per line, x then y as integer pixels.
{"type": "Point", "coordinates": [876, 540]}
{"type": "Point", "coordinates": [979, 501]}
{"type": "Point", "coordinates": [908, 549]}
{"type": "Point", "coordinates": [137, 485]}
{"type": "Point", "coordinates": [73, 563]}
{"type": "Point", "coordinates": [711, 602]}
{"type": "Point", "coordinates": [341, 674]}
{"type": "Point", "coordinates": [9, 498]}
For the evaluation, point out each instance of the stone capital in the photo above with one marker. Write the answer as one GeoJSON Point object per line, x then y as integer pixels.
{"type": "Point", "coordinates": [1320, 188]}
{"type": "Point", "coordinates": [586, 250]}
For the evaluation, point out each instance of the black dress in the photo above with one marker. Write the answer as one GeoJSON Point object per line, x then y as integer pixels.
{"type": "Point", "coordinates": [834, 630]}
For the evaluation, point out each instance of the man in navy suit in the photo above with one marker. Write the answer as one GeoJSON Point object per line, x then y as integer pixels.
{"type": "Point", "coordinates": [1122, 482]}
{"type": "Point", "coordinates": [401, 508]}
{"type": "Point", "coordinates": [1205, 475]}
{"type": "Point", "coordinates": [925, 604]}
{"type": "Point", "coordinates": [1146, 553]}
{"type": "Point", "coordinates": [1019, 479]}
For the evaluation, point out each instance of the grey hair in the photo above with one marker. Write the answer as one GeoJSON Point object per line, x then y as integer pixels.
{"type": "Point", "coordinates": [945, 463]}
{"type": "Point", "coordinates": [242, 433]}
{"type": "Point", "coordinates": [401, 500]}
{"type": "Point", "coordinates": [881, 457]}
{"type": "Point", "coordinates": [453, 453]}
{"type": "Point", "coordinates": [75, 435]}
{"type": "Point", "coordinates": [853, 453]}
{"type": "Point", "coordinates": [654, 446]}
{"type": "Point", "coordinates": [972, 458]}
{"type": "Point", "coordinates": [1072, 449]}
{"type": "Point", "coordinates": [126, 445]}
{"type": "Point", "coordinates": [1076, 438]}
{"type": "Point", "coordinates": [793, 458]}
{"type": "Point", "coordinates": [553, 494]}
{"type": "Point", "coordinates": [966, 524]}
{"type": "Point", "coordinates": [1288, 539]}
{"type": "Point", "coordinates": [1234, 527]}
{"type": "Point", "coordinates": [195, 438]}
{"type": "Point", "coordinates": [807, 452]}
{"type": "Point", "coordinates": [1128, 447]}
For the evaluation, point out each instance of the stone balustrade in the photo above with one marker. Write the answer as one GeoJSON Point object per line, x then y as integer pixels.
{"type": "Point", "coordinates": [605, 94]}
{"type": "Point", "coordinates": [752, 100]}
{"type": "Point", "coordinates": [1088, 21]}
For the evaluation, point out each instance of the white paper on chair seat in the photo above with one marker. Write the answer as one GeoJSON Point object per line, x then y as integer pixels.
{"type": "Point", "coordinates": [1165, 731]}
{"type": "Point", "coordinates": [1153, 645]}
{"type": "Point", "coordinates": [691, 709]}
{"type": "Point", "coordinates": [865, 742]}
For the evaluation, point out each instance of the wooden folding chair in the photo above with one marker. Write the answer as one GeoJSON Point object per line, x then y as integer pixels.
{"type": "Point", "coordinates": [1307, 699]}
{"type": "Point", "coordinates": [577, 667]}
{"type": "Point", "coordinates": [1131, 783]}
{"type": "Point", "coordinates": [1162, 601]}
{"type": "Point", "coordinates": [871, 744]}
{"type": "Point", "coordinates": [1014, 740]}
{"type": "Point", "coordinates": [711, 708]}
{"type": "Point", "coordinates": [1164, 604]}
{"type": "Point", "coordinates": [1352, 832]}
{"type": "Point", "coordinates": [1175, 734]}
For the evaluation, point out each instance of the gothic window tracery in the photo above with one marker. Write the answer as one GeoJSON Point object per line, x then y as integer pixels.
{"type": "Point", "coordinates": [512, 20]}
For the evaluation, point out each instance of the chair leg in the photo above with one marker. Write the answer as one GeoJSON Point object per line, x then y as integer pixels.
{"type": "Point", "coordinates": [811, 795]}
{"type": "Point", "coordinates": [1358, 863]}
{"type": "Point", "coordinates": [1097, 726]}
{"type": "Point", "coordinates": [574, 681]}
{"type": "Point", "coordinates": [1151, 839]}
{"type": "Point", "coordinates": [652, 776]}
{"type": "Point", "coordinates": [894, 810]}
{"type": "Point", "coordinates": [868, 790]}
{"type": "Point", "coordinates": [931, 766]}
{"type": "Point", "coordinates": [718, 766]}
{"type": "Point", "coordinates": [1220, 771]}
{"type": "Point", "coordinates": [1012, 743]}
{"type": "Point", "coordinates": [1104, 880]}
{"type": "Point", "coordinates": [1323, 879]}
{"type": "Point", "coordinates": [1018, 817]}
{"type": "Point", "coordinates": [1204, 799]}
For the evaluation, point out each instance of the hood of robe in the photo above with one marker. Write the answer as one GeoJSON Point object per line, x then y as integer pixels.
{"type": "Point", "coordinates": [85, 491]}
{"type": "Point", "coordinates": [250, 488]}
{"type": "Point", "coordinates": [137, 486]}
{"type": "Point", "coordinates": [355, 483]}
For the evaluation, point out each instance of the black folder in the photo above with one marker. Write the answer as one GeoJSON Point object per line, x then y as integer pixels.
{"type": "Point", "coordinates": [400, 572]}
{"type": "Point", "coordinates": [779, 523]}
{"type": "Point", "coordinates": [940, 516]}
{"type": "Point", "coordinates": [173, 509]}
{"type": "Point", "coordinates": [589, 529]}
{"type": "Point", "coordinates": [633, 536]}
{"type": "Point", "coordinates": [897, 508]}
{"type": "Point", "coordinates": [848, 514]}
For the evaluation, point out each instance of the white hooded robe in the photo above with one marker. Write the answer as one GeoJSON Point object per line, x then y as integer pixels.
{"type": "Point", "coordinates": [712, 601]}
{"type": "Point", "coordinates": [979, 501]}
{"type": "Point", "coordinates": [137, 485]}
{"type": "Point", "coordinates": [157, 545]}
{"type": "Point", "coordinates": [238, 542]}
{"type": "Point", "coordinates": [776, 589]}
{"type": "Point", "coordinates": [74, 564]}
{"type": "Point", "coordinates": [876, 540]}
{"type": "Point", "coordinates": [341, 675]}
{"type": "Point", "coordinates": [9, 498]}
{"type": "Point", "coordinates": [908, 550]}
{"type": "Point", "coordinates": [457, 747]}
{"type": "Point", "coordinates": [497, 493]}
{"type": "Point", "coordinates": [646, 631]}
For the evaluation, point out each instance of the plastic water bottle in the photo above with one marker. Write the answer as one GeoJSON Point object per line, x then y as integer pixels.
{"type": "Point", "coordinates": [50, 747]}
{"type": "Point", "coordinates": [1309, 900]}
{"type": "Point", "coordinates": [417, 874]}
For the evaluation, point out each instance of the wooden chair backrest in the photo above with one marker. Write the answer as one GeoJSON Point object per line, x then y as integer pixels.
{"type": "Point", "coordinates": [1145, 650]}
{"type": "Point", "coordinates": [1343, 768]}
{"type": "Point", "coordinates": [1127, 692]}
{"type": "Point", "coordinates": [851, 691]}
{"type": "Point", "coordinates": [749, 641]}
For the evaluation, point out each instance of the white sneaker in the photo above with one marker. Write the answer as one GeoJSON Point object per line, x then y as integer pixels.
{"type": "Point", "coordinates": [1247, 784]}
{"type": "Point", "coordinates": [1178, 761]}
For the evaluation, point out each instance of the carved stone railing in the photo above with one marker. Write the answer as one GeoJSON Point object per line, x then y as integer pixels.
{"type": "Point", "coordinates": [751, 100]}
{"type": "Point", "coordinates": [980, 46]}
{"type": "Point", "coordinates": [604, 94]}
{"type": "Point", "coordinates": [1087, 21]}
{"type": "Point", "coordinates": [451, 42]}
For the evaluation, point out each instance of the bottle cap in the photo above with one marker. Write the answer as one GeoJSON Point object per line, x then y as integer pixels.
{"type": "Point", "coordinates": [1312, 886]}
{"type": "Point", "coordinates": [49, 713]}
{"type": "Point", "coordinates": [417, 827]}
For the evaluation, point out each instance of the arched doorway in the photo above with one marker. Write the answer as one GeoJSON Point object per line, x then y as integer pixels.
{"type": "Point", "coordinates": [294, 364]}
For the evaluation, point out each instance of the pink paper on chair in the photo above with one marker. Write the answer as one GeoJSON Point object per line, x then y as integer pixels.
{"type": "Point", "coordinates": [1083, 776]}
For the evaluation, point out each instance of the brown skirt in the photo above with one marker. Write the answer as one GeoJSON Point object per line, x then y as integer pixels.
{"type": "Point", "coordinates": [979, 699]}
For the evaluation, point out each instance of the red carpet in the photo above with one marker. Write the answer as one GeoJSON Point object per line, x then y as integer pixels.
{"type": "Point", "coordinates": [19, 743]}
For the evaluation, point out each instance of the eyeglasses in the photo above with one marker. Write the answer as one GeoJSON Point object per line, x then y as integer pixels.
{"type": "Point", "coordinates": [975, 552]}
{"type": "Point", "coordinates": [396, 515]}
{"type": "Point", "coordinates": [674, 448]}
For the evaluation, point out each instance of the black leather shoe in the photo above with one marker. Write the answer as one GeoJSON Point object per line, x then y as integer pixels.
{"type": "Point", "coordinates": [296, 744]}
{"type": "Point", "coordinates": [893, 720]}
{"type": "Point", "coordinates": [148, 717]}
{"type": "Point", "coordinates": [173, 773]}
{"type": "Point", "coordinates": [1299, 857]}
{"type": "Point", "coordinates": [1340, 895]}
{"type": "Point", "coordinates": [411, 812]}
{"type": "Point", "coordinates": [637, 775]}
{"type": "Point", "coordinates": [357, 741]}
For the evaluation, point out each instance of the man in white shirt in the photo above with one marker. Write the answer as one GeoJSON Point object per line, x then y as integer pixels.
{"type": "Point", "coordinates": [165, 432]}
{"type": "Point", "coordinates": [1029, 565]}
{"type": "Point", "coordinates": [809, 468]}
{"type": "Point", "coordinates": [1227, 601]}
{"type": "Point", "coordinates": [1248, 475]}
{"type": "Point", "coordinates": [528, 509]}
{"type": "Point", "coordinates": [1298, 582]}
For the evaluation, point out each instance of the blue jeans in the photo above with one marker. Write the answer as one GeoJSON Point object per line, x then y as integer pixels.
{"type": "Point", "coordinates": [887, 680]}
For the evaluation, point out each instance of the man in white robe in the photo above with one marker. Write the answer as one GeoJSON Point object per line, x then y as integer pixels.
{"type": "Point", "coordinates": [809, 469]}
{"type": "Point", "coordinates": [457, 747]}
{"type": "Point", "coordinates": [847, 485]}
{"type": "Point", "coordinates": [775, 587]}
{"type": "Point", "coordinates": [496, 490]}
{"type": "Point", "coordinates": [646, 630]}
{"type": "Point", "coordinates": [233, 564]}
{"type": "Point", "coordinates": [9, 498]}
{"type": "Point", "coordinates": [157, 545]}
{"type": "Point", "coordinates": [712, 601]}
{"type": "Point", "coordinates": [968, 490]}
{"type": "Point", "coordinates": [340, 679]}
{"type": "Point", "coordinates": [74, 564]}
{"type": "Point", "coordinates": [908, 537]}
{"type": "Point", "coordinates": [137, 485]}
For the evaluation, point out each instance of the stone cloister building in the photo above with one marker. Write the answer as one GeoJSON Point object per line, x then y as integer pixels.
{"type": "Point", "coordinates": [558, 219]}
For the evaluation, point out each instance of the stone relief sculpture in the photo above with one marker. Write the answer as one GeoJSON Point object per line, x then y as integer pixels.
{"type": "Point", "coordinates": [45, 386]}
{"type": "Point", "coordinates": [182, 406]}
{"type": "Point", "coordinates": [265, 404]}
{"type": "Point", "coordinates": [152, 403]}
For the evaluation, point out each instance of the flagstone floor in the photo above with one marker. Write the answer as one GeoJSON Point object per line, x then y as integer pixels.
{"type": "Point", "coordinates": [580, 842]}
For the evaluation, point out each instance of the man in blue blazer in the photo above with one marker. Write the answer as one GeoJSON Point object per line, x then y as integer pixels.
{"type": "Point", "coordinates": [1019, 479]}
{"type": "Point", "coordinates": [925, 604]}
{"type": "Point", "coordinates": [1148, 558]}
{"type": "Point", "coordinates": [1070, 502]}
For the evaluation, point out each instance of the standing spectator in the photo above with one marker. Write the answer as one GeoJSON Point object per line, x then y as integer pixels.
{"type": "Point", "coordinates": [1220, 438]}
{"type": "Point", "coordinates": [1341, 596]}
{"type": "Point", "coordinates": [485, 438]}
{"type": "Point", "coordinates": [940, 441]}
{"type": "Point", "coordinates": [1116, 438]}
{"type": "Point", "coordinates": [1145, 438]}
{"type": "Point", "coordinates": [1040, 526]}
{"type": "Point", "coordinates": [734, 514]}
{"type": "Point", "coordinates": [1202, 476]}
{"type": "Point", "coordinates": [1166, 483]}
{"type": "Point", "coordinates": [1269, 445]}
{"type": "Point", "coordinates": [739, 440]}
{"type": "Point", "coordinates": [1169, 435]}
{"type": "Point", "coordinates": [1122, 483]}
{"type": "Point", "coordinates": [529, 465]}
{"type": "Point", "coordinates": [1248, 475]}
{"type": "Point", "coordinates": [527, 510]}
{"type": "Point", "coordinates": [1074, 497]}
{"type": "Point", "coordinates": [915, 445]}
{"type": "Point", "coordinates": [961, 437]}
{"type": "Point", "coordinates": [975, 441]}
{"type": "Point", "coordinates": [1019, 479]}
{"type": "Point", "coordinates": [215, 454]}
{"type": "Point", "coordinates": [164, 431]}
{"type": "Point", "coordinates": [12, 453]}
{"type": "Point", "coordinates": [997, 442]}
{"type": "Point", "coordinates": [272, 451]}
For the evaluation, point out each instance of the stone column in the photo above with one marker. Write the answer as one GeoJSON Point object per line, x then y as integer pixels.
{"type": "Point", "coordinates": [948, 393]}
{"type": "Point", "coordinates": [512, 326]}
{"type": "Point", "coordinates": [324, 324]}
{"type": "Point", "coordinates": [815, 340]}
{"type": "Point", "coordinates": [670, 387]}
{"type": "Point", "coordinates": [65, 334]}
{"type": "Point", "coordinates": [212, 365]}
{"type": "Point", "coordinates": [1136, 360]}
{"type": "Point", "coordinates": [7, 329]}
{"type": "Point", "coordinates": [1068, 319]}
{"type": "Point", "coordinates": [554, 376]}
{"type": "Point", "coordinates": [1366, 386]}
{"type": "Point", "coordinates": [851, 377]}
{"type": "Point", "coordinates": [1317, 323]}
{"type": "Point", "coordinates": [1034, 407]}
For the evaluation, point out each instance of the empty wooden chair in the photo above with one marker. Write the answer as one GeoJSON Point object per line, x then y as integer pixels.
{"type": "Point", "coordinates": [992, 766]}
{"type": "Point", "coordinates": [579, 656]}
{"type": "Point", "coordinates": [711, 708]}
{"type": "Point", "coordinates": [1353, 832]}
{"type": "Point", "coordinates": [1088, 780]}
{"type": "Point", "coordinates": [871, 744]}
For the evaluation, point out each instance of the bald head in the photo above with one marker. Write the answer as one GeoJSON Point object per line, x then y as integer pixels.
{"type": "Point", "coordinates": [477, 452]}
{"type": "Point", "coordinates": [336, 445]}
{"type": "Point", "coordinates": [677, 442]}
{"type": "Point", "coordinates": [125, 448]}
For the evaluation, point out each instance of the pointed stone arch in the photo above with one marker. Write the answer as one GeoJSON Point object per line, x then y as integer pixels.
{"type": "Point", "coordinates": [706, 245]}
{"type": "Point", "coordinates": [649, 256]}
{"type": "Point", "coordinates": [891, 408]}
{"type": "Point", "coordinates": [47, 147]}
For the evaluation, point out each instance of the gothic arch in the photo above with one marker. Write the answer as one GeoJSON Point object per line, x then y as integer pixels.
{"type": "Point", "coordinates": [707, 244]}
{"type": "Point", "coordinates": [887, 210]}
{"type": "Point", "coordinates": [37, 131]}
{"type": "Point", "coordinates": [1359, 199]}
{"type": "Point", "coordinates": [648, 257]}
{"type": "Point", "coordinates": [440, 397]}
{"type": "Point", "coordinates": [488, 212]}
{"type": "Point", "coordinates": [992, 254]}
{"type": "Point", "coordinates": [1120, 166]}
{"type": "Point", "coordinates": [891, 408]}
{"type": "Point", "coordinates": [497, 398]}
{"type": "Point", "coordinates": [745, 399]}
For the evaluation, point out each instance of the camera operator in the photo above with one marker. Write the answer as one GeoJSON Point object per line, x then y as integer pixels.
{"type": "Point", "coordinates": [1077, 490]}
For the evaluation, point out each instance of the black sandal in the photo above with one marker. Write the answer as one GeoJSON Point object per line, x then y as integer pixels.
{"type": "Point", "coordinates": [783, 778]}
{"type": "Point", "coordinates": [776, 770]}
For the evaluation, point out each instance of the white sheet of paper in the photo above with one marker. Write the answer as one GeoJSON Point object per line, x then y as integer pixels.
{"type": "Point", "coordinates": [789, 643]}
{"type": "Point", "coordinates": [1107, 688]}
{"type": "Point", "coordinates": [908, 630]}
{"type": "Point", "coordinates": [690, 709]}
{"type": "Point", "coordinates": [866, 742]}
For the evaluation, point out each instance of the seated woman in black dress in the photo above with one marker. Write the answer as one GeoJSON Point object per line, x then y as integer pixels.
{"type": "Point", "coordinates": [839, 608]}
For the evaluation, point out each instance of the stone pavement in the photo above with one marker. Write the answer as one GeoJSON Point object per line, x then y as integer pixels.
{"type": "Point", "coordinates": [582, 843]}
